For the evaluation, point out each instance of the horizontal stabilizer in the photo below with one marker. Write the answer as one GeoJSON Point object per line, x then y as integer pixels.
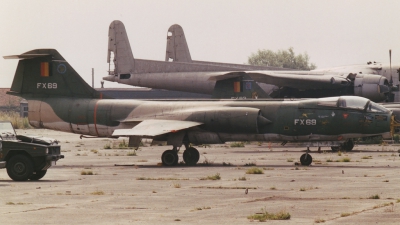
{"type": "Point", "coordinates": [24, 56]}
{"type": "Point", "coordinates": [151, 128]}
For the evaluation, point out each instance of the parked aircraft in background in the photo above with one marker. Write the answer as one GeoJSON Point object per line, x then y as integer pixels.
{"type": "Point", "coordinates": [375, 81]}
{"type": "Point", "coordinates": [60, 99]}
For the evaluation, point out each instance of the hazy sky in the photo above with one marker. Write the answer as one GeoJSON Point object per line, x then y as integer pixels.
{"type": "Point", "coordinates": [333, 33]}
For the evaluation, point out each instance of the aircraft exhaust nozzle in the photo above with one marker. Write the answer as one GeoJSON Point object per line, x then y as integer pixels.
{"type": "Point", "coordinates": [262, 121]}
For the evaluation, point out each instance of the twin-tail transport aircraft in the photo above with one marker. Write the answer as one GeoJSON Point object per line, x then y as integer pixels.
{"type": "Point", "coordinates": [375, 81]}
{"type": "Point", "coordinates": [59, 99]}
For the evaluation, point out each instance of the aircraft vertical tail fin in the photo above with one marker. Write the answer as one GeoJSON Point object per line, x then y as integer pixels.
{"type": "Point", "coordinates": [45, 73]}
{"type": "Point", "coordinates": [177, 48]}
{"type": "Point", "coordinates": [119, 56]}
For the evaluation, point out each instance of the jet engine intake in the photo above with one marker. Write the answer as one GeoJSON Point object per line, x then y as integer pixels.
{"type": "Point", "coordinates": [231, 120]}
{"type": "Point", "coordinates": [373, 87]}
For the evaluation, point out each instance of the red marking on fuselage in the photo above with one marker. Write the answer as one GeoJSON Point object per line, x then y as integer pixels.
{"type": "Point", "coordinates": [94, 118]}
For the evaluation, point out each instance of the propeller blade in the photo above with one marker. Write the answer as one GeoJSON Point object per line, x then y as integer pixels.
{"type": "Point", "coordinates": [384, 89]}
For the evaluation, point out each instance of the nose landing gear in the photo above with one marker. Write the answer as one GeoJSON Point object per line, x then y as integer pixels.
{"type": "Point", "coordinates": [306, 158]}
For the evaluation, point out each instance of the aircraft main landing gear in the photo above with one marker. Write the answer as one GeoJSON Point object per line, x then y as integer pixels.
{"type": "Point", "coordinates": [306, 158]}
{"type": "Point", "coordinates": [346, 146]}
{"type": "Point", "coordinates": [170, 157]}
{"type": "Point", "coordinates": [191, 156]}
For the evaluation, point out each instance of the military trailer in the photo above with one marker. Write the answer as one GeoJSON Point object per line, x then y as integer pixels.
{"type": "Point", "coordinates": [26, 157]}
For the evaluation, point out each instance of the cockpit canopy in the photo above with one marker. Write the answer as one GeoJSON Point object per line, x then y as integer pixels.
{"type": "Point", "coordinates": [352, 102]}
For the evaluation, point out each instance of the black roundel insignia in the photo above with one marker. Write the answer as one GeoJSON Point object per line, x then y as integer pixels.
{"type": "Point", "coordinates": [61, 68]}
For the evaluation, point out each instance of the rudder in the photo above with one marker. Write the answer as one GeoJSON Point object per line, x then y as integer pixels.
{"type": "Point", "coordinates": [119, 52]}
{"type": "Point", "coordinates": [177, 47]}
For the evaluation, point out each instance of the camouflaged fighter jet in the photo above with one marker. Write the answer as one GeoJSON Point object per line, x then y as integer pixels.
{"type": "Point", "coordinates": [60, 99]}
{"type": "Point", "coordinates": [376, 81]}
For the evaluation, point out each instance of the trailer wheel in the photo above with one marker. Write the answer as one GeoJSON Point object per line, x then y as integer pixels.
{"type": "Point", "coordinates": [20, 168]}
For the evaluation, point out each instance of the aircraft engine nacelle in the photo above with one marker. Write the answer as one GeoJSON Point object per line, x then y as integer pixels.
{"type": "Point", "coordinates": [243, 120]}
{"type": "Point", "coordinates": [371, 86]}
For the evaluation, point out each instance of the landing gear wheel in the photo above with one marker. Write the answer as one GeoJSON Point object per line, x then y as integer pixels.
{"type": "Point", "coordinates": [335, 149]}
{"type": "Point", "coordinates": [191, 156]}
{"type": "Point", "coordinates": [348, 145]}
{"type": "Point", "coordinates": [170, 158]}
{"type": "Point", "coordinates": [38, 175]}
{"type": "Point", "coordinates": [20, 168]}
{"type": "Point", "coordinates": [305, 159]}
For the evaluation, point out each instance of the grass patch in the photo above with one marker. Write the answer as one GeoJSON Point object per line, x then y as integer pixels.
{"type": "Point", "coordinates": [176, 184]}
{"type": "Point", "coordinates": [272, 188]}
{"type": "Point", "coordinates": [107, 146]}
{"type": "Point", "coordinates": [319, 220]}
{"type": "Point", "coordinates": [94, 151]}
{"type": "Point", "coordinates": [213, 177]}
{"type": "Point", "coordinates": [250, 164]}
{"type": "Point", "coordinates": [84, 172]}
{"type": "Point", "coordinates": [367, 157]}
{"type": "Point", "coordinates": [123, 144]}
{"type": "Point", "coordinates": [207, 162]}
{"type": "Point", "coordinates": [237, 145]}
{"type": "Point", "coordinates": [226, 164]}
{"type": "Point", "coordinates": [19, 203]}
{"type": "Point", "coordinates": [16, 121]}
{"type": "Point", "coordinates": [374, 197]}
{"type": "Point", "coordinates": [131, 153]}
{"type": "Point", "coordinates": [97, 193]}
{"type": "Point", "coordinates": [202, 208]}
{"type": "Point", "coordinates": [345, 214]}
{"type": "Point", "coordinates": [344, 159]}
{"type": "Point", "coordinates": [160, 178]}
{"type": "Point", "coordinates": [242, 178]}
{"type": "Point", "coordinates": [254, 170]}
{"type": "Point", "coordinates": [264, 216]}
{"type": "Point", "coordinates": [220, 187]}
{"type": "Point", "coordinates": [289, 160]}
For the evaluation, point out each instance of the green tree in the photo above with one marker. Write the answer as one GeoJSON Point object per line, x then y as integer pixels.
{"type": "Point", "coordinates": [281, 58]}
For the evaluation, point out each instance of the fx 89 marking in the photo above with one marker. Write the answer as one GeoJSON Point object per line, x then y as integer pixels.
{"type": "Point", "coordinates": [46, 85]}
{"type": "Point", "coordinates": [307, 122]}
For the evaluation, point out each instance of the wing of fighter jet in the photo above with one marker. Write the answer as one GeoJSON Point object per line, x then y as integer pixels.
{"type": "Point", "coordinates": [151, 128]}
{"type": "Point", "coordinates": [224, 80]}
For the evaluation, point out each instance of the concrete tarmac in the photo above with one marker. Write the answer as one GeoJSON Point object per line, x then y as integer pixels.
{"type": "Point", "coordinates": [127, 189]}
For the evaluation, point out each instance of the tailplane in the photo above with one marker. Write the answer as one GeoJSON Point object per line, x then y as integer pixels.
{"type": "Point", "coordinates": [177, 48]}
{"type": "Point", "coordinates": [45, 73]}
